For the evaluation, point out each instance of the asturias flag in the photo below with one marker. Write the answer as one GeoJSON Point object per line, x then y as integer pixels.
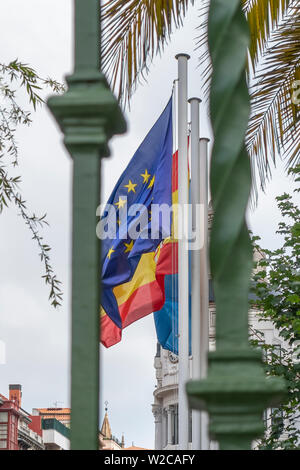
{"type": "Point", "coordinates": [133, 268]}
{"type": "Point", "coordinates": [166, 319]}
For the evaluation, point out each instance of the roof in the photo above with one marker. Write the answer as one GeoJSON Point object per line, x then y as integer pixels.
{"type": "Point", "coordinates": [61, 414]}
{"type": "Point", "coordinates": [54, 411]}
{"type": "Point", "coordinates": [58, 417]}
{"type": "Point", "coordinates": [105, 429]}
{"type": "Point", "coordinates": [135, 448]}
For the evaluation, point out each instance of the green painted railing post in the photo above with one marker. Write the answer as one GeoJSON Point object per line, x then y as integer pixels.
{"type": "Point", "coordinates": [88, 115]}
{"type": "Point", "coordinates": [236, 391]}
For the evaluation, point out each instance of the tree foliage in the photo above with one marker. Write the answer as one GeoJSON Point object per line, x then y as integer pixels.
{"type": "Point", "coordinates": [277, 291]}
{"type": "Point", "coordinates": [135, 31]}
{"type": "Point", "coordinates": [274, 69]}
{"type": "Point", "coordinates": [14, 76]}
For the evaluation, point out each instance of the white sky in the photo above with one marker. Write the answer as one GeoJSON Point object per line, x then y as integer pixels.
{"type": "Point", "coordinates": [37, 336]}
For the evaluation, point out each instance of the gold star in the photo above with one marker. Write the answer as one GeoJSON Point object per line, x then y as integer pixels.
{"type": "Point", "coordinates": [128, 246]}
{"type": "Point", "coordinates": [146, 176]}
{"type": "Point", "coordinates": [151, 182]}
{"type": "Point", "coordinates": [131, 186]}
{"type": "Point", "coordinates": [119, 222]}
{"type": "Point", "coordinates": [111, 251]}
{"type": "Point", "coordinates": [121, 203]}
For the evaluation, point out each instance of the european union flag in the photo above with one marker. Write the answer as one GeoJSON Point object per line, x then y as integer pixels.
{"type": "Point", "coordinates": [130, 287]}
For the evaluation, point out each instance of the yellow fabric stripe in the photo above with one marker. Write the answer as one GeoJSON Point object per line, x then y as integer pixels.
{"type": "Point", "coordinates": [175, 197]}
{"type": "Point", "coordinates": [102, 312]}
{"type": "Point", "coordinates": [144, 274]}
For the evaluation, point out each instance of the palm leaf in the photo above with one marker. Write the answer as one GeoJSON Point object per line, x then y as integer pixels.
{"type": "Point", "coordinates": [263, 17]}
{"type": "Point", "coordinates": [133, 32]}
{"type": "Point", "coordinates": [274, 123]}
{"type": "Point", "coordinates": [274, 55]}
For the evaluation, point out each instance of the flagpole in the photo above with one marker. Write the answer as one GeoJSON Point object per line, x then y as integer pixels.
{"type": "Point", "coordinates": [204, 281]}
{"type": "Point", "coordinates": [195, 260]}
{"type": "Point", "coordinates": [183, 257]}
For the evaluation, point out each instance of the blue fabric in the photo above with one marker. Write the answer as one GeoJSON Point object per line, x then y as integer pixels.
{"type": "Point", "coordinates": [166, 319]}
{"type": "Point", "coordinates": [155, 156]}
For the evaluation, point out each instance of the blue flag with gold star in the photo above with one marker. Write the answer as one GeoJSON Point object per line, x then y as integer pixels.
{"type": "Point", "coordinates": [131, 287]}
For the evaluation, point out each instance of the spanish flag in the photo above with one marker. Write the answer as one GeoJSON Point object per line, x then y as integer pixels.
{"type": "Point", "coordinates": [134, 267]}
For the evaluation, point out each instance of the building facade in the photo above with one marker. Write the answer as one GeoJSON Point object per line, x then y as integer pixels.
{"type": "Point", "coordinates": [63, 415]}
{"type": "Point", "coordinates": [16, 429]}
{"type": "Point", "coordinates": [9, 419]}
{"type": "Point", "coordinates": [165, 406]}
{"type": "Point", "coordinates": [20, 430]}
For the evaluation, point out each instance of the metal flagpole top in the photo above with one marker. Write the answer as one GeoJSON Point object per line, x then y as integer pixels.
{"type": "Point", "coordinates": [194, 98]}
{"type": "Point", "coordinates": [182, 54]}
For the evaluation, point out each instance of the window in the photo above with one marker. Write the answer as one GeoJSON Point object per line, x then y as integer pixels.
{"type": "Point", "coordinates": [277, 351]}
{"type": "Point", "coordinates": [277, 422]}
{"type": "Point", "coordinates": [190, 426]}
{"type": "Point", "coordinates": [165, 428]}
{"type": "Point", "coordinates": [265, 418]}
{"type": "Point", "coordinates": [3, 416]}
{"type": "Point", "coordinates": [212, 318]}
{"type": "Point", "coordinates": [3, 431]}
{"type": "Point", "coordinates": [175, 425]}
{"type": "Point", "coordinates": [264, 351]}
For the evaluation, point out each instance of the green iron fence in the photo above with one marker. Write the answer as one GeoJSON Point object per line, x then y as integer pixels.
{"type": "Point", "coordinates": [236, 391]}
{"type": "Point", "coordinates": [88, 115]}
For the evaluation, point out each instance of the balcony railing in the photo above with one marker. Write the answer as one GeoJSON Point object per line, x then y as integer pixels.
{"type": "Point", "coordinates": [52, 423]}
{"type": "Point", "coordinates": [30, 436]}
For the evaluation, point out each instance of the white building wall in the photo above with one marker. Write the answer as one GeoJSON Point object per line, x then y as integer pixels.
{"type": "Point", "coordinates": [52, 437]}
{"type": "Point", "coordinates": [166, 367]}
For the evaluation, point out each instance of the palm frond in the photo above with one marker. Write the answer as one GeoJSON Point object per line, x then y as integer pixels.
{"type": "Point", "coordinates": [273, 128]}
{"type": "Point", "coordinates": [274, 124]}
{"type": "Point", "coordinates": [133, 32]}
{"type": "Point", "coordinates": [263, 17]}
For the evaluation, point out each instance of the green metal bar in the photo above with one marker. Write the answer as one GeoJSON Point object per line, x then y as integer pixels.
{"type": "Point", "coordinates": [87, 38]}
{"type": "Point", "coordinates": [88, 115]}
{"type": "Point", "coordinates": [85, 301]}
{"type": "Point", "coordinates": [236, 390]}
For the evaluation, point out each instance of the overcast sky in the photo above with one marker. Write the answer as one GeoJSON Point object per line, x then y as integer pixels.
{"type": "Point", "coordinates": [37, 337]}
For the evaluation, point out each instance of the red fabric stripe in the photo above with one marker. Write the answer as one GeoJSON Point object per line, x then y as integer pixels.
{"type": "Point", "coordinates": [175, 169]}
{"type": "Point", "coordinates": [175, 172]}
{"type": "Point", "coordinates": [168, 259]}
{"type": "Point", "coordinates": [146, 299]}
{"type": "Point", "coordinates": [110, 333]}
